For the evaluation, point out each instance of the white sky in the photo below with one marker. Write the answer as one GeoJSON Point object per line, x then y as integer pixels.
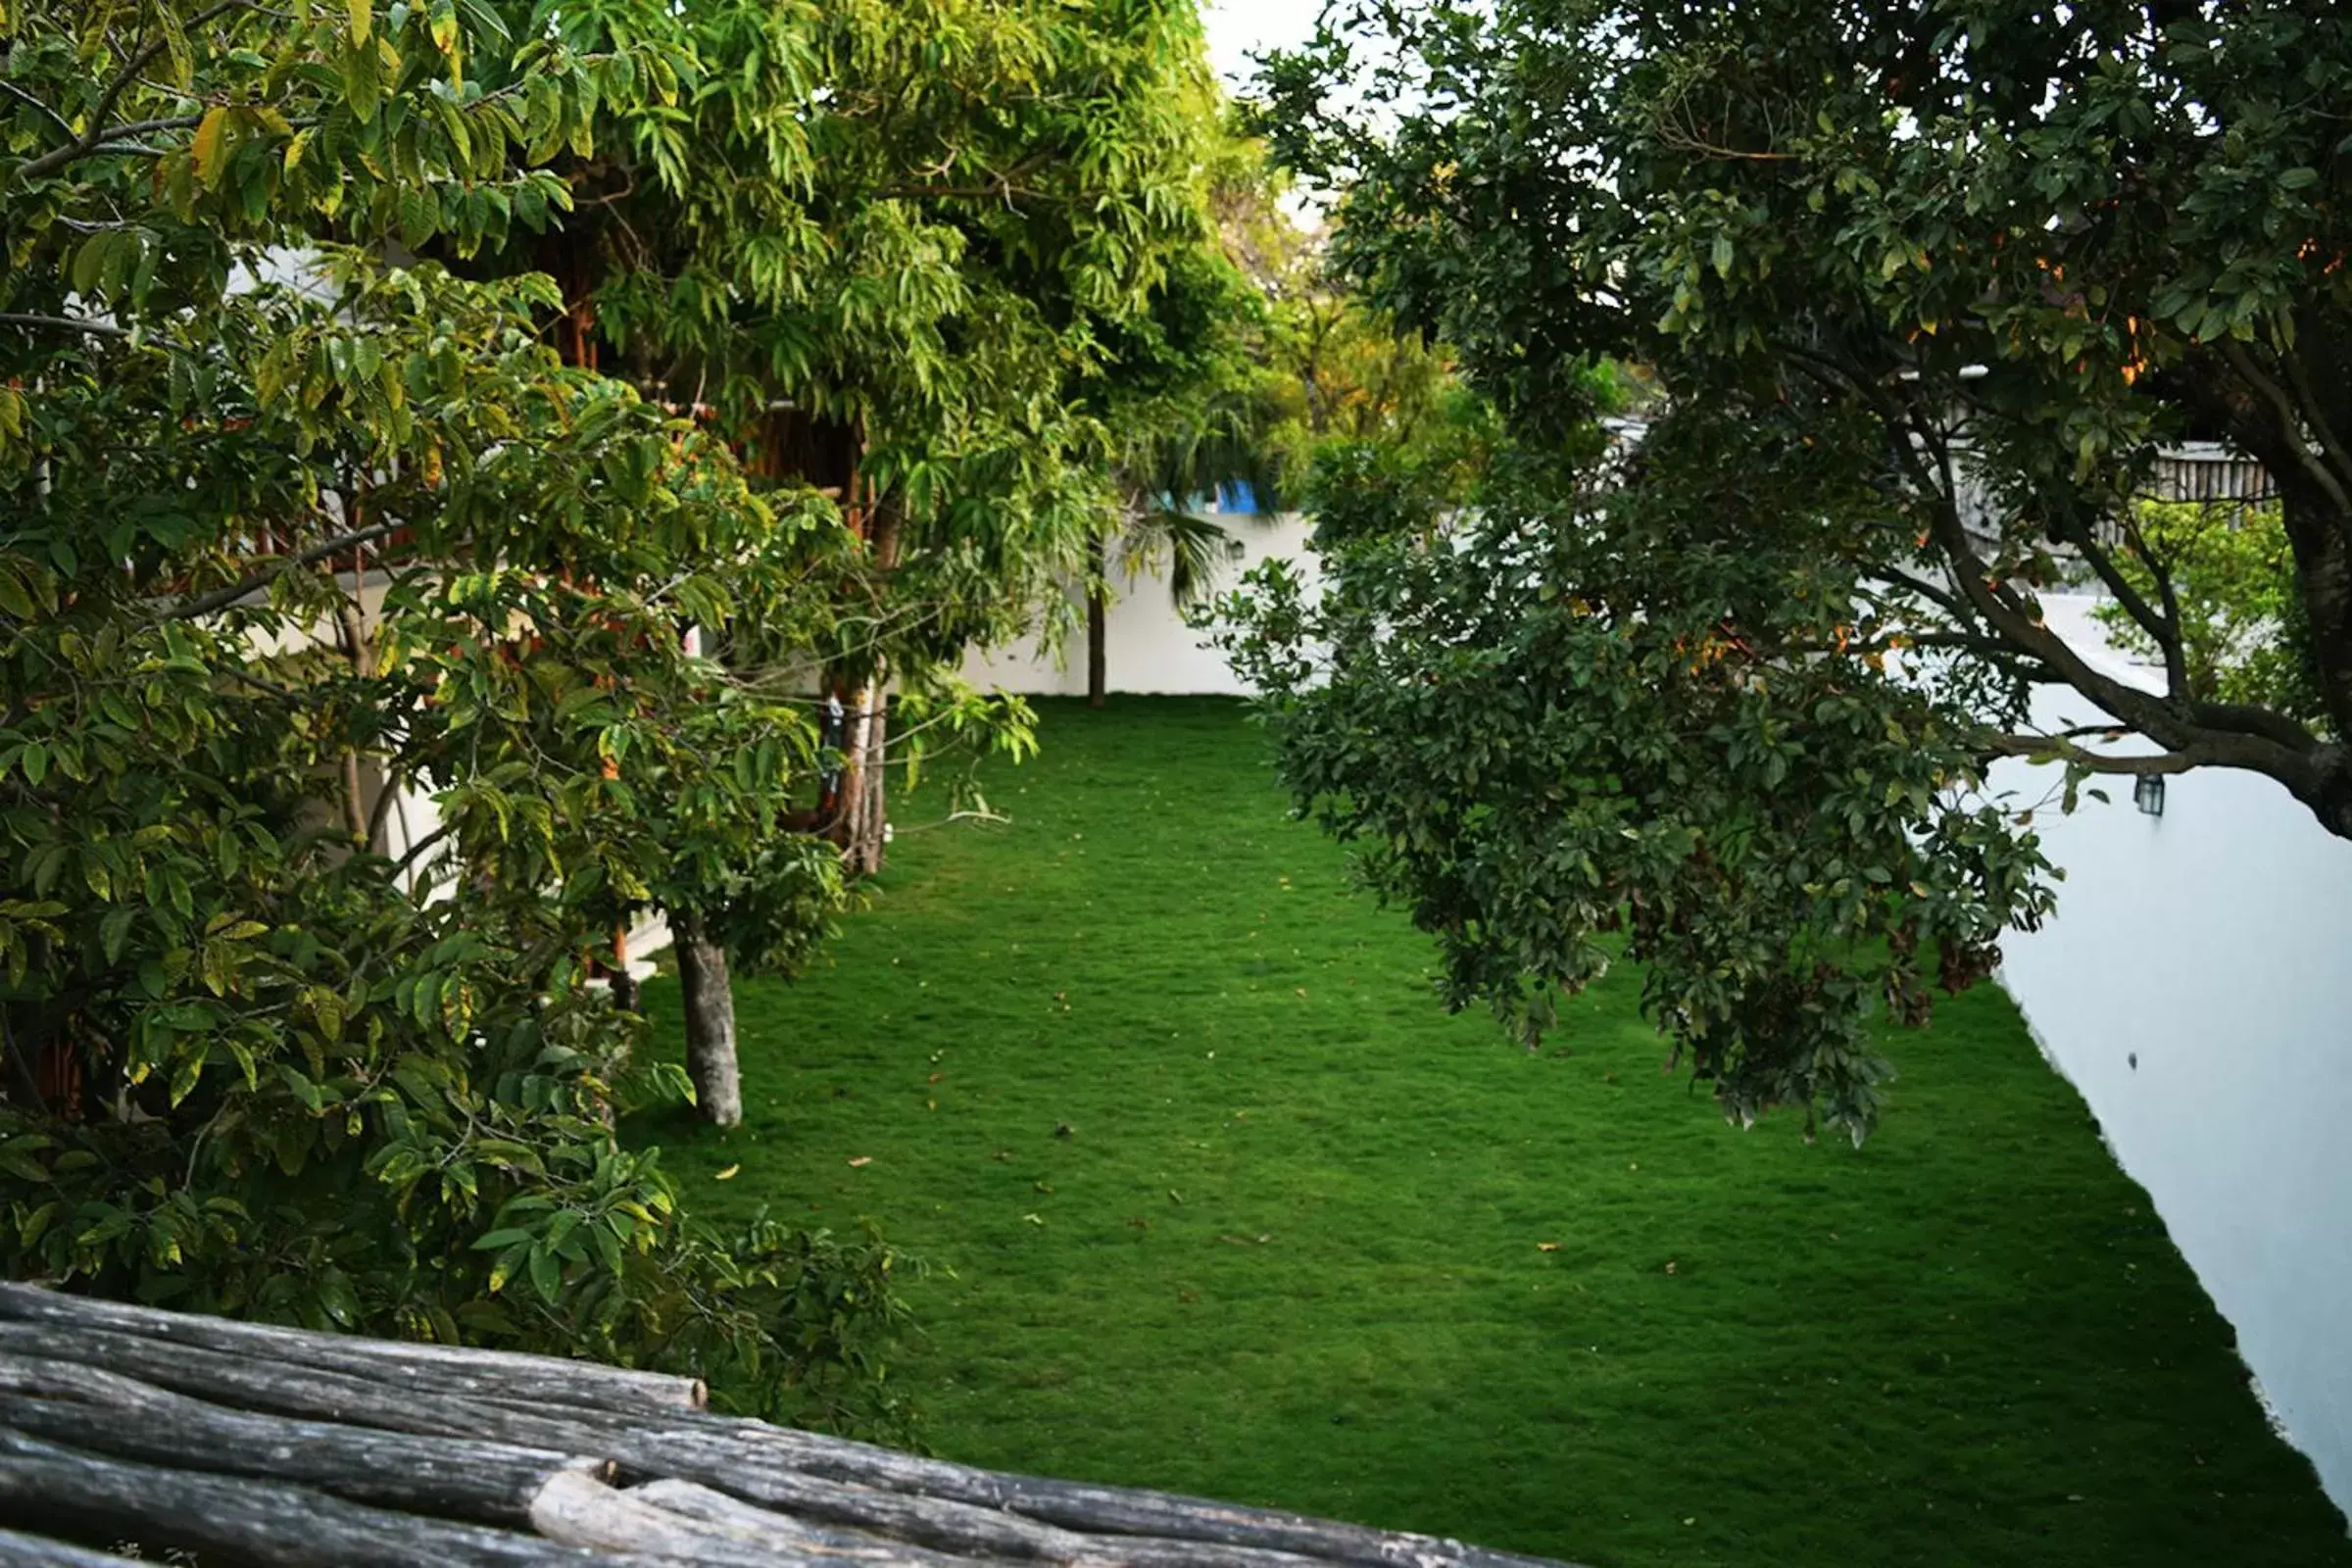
{"type": "Point", "coordinates": [1237, 27]}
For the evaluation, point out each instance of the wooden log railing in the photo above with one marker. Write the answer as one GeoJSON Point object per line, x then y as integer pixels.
{"type": "Point", "coordinates": [252, 1443]}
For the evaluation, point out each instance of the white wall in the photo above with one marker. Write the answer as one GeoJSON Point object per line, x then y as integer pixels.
{"type": "Point", "coordinates": [2214, 944]}
{"type": "Point", "coordinates": [1147, 645]}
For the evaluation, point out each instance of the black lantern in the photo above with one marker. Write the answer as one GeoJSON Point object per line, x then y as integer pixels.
{"type": "Point", "coordinates": [2148, 794]}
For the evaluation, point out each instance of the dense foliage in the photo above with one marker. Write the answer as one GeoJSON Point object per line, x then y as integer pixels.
{"type": "Point", "coordinates": [306, 535]}
{"type": "Point", "coordinates": [1922, 295]}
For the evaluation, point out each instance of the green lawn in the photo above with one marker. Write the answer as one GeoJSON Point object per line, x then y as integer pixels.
{"type": "Point", "coordinates": [1311, 1242]}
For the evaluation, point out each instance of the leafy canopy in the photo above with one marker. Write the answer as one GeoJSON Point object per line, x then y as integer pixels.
{"type": "Point", "coordinates": [299, 538]}
{"type": "Point", "coordinates": [1922, 295]}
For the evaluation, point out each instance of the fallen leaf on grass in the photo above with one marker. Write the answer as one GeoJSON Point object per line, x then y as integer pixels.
{"type": "Point", "coordinates": [1548, 1247]}
{"type": "Point", "coordinates": [935, 1077]}
{"type": "Point", "coordinates": [725, 1175]}
{"type": "Point", "coordinates": [862, 1159]}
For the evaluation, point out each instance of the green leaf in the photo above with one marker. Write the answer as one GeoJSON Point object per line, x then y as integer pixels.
{"type": "Point", "coordinates": [547, 1273]}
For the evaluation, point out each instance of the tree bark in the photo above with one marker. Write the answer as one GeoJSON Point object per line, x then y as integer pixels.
{"type": "Point", "coordinates": [104, 1412]}
{"type": "Point", "coordinates": [1098, 616]}
{"type": "Point", "coordinates": [532, 1379]}
{"type": "Point", "coordinates": [262, 1523]}
{"type": "Point", "coordinates": [30, 1551]}
{"type": "Point", "coordinates": [865, 806]}
{"type": "Point", "coordinates": [709, 1023]}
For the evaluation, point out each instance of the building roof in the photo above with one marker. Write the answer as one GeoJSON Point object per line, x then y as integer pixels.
{"type": "Point", "coordinates": [128, 1427]}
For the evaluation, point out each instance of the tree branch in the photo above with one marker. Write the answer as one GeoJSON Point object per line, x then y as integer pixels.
{"type": "Point", "coordinates": [2162, 629]}
{"type": "Point", "coordinates": [2144, 764]}
{"type": "Point", "coordinates": [62, 323]}
{"type": "Point", "coordinates": [222, 598]}
{"type": "Point", "coordinates": [2290, 421]}
{"type": "Point", "coordinates": [419, 847]}
{"type": "Point", "coordinates": [55, 118]}
{"type": "Point", "coordinates": [99, 134]}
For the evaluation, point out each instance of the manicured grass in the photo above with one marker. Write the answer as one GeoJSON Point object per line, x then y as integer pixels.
{"type": "Point", "coordinates": [1310, 1243]}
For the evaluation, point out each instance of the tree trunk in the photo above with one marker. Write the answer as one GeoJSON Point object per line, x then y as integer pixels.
{"type": "Point", "coordinates": [1097, 619]}
{"type": "Point", "coordinates": [869, 815]}
{"type": "Point", "coordinates": [709, 1023]}
{"type": "Point", "coordinates": [864, 808]}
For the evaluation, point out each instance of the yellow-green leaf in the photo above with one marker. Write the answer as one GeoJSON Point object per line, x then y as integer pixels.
{"type": "Point", "coordinates": [210, 146]}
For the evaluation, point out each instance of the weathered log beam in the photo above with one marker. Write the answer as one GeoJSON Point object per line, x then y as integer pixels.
{"type": "Point", "coordinates": [252, 1521]}
{"type": "Point", "coordinates": [438, 1368]}
{"type": "Point", "coordinates": [30, 1551]}
{"type": "Point", "coordinates": [581, 1512]}
{"type": "Point", "coordinates": [103, 1412]}
{"type": "Point", "coordinates": [743, 1521]}
{"type": "Point", "coordinates": [954, 1509]}
{"type": "Point", "coordinates": [221, 1378]}
{"type": "Point", "coordinates": [845, 1546]}
{"type": "Point", "coordinates": [731, 1454]}
{"type": "Point", "coordinates": [878, 1492]}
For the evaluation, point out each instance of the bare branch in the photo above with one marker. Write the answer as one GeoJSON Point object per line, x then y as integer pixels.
{"type": "Point", "coordinates": [62, 323]}
{"type": "Point", "coordinates": [2059, 746]}
{"type": "Point", "coordinates": [2292, 437]}
{"type": "Point", "coordinates": [222, 598]}
{"type": "Point", "coordinates": [23, 97]}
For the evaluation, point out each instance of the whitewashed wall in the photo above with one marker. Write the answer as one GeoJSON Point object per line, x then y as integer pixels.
{"type": "Point", "coordinates": [2196, 986]}
{"type": "Point", "coordinates": [1148, 648]}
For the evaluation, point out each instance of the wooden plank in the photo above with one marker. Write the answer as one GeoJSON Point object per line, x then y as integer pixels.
{"type": "Point", "coordinates": [102, 1412]}
{"type": "Point", "coordinates": [261, 1523]}
{"type": "Point", "coordinates": [439, 1368]}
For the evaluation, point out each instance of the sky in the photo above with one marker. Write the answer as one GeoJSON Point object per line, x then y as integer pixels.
{"type": "Point", "coordinates": [1237, 27]}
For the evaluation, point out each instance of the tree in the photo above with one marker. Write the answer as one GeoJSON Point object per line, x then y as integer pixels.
{"type": "Point", "coordinates": [1923, 294]}
{"type": "Point", "coordinates": [891, 248]}
{"type": "Point", "coordinates": [291, 530]}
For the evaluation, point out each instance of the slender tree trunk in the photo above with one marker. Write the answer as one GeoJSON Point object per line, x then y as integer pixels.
{"type": "Point", "coordinates": [625, 993]}
{"type": "Point", "coordinates": [710, 1023]}
{"type": "Point", "coordinates": [1097, 614]}
{"type": "Point", "coordinates": [865, 813]}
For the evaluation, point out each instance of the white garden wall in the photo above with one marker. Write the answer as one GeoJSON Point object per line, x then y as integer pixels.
{"type": "Point", "coordinates": [2196, 986]}
{"type": "Point", "coordinates": [1147, 645]}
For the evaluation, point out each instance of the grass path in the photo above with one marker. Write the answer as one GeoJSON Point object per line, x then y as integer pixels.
{"type": "Point", "coordinates": [1310, 1243]}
